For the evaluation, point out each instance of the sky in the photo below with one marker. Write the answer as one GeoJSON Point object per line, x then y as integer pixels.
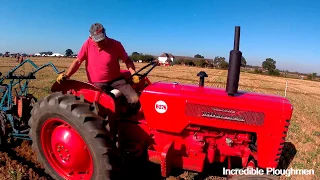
{"type": "Point", "coordinates": [287, 30]}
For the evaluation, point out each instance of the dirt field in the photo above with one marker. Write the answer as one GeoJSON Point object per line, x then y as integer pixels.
{"type": "Point", "coordinates": [304, 132]}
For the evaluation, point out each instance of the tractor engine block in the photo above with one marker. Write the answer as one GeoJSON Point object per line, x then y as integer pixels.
{"type": "Point", "coordinates": [197, 145]}
{"type": "Point", "coordinates": [219, 144]}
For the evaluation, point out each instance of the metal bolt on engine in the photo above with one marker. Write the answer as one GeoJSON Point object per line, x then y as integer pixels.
{"type": "Point", "coordinates": [229, 141]}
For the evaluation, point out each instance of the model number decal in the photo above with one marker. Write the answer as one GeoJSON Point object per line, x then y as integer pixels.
{"type": "Point", "coordinates": [218, 116]}
{"type": "Point", "coordinates": [225, 114]}
{"type": "Point", "coordinates": [161, 107]}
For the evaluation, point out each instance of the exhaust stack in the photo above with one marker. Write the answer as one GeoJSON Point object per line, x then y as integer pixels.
{"type": "Point", "coordinates": [234, 65]}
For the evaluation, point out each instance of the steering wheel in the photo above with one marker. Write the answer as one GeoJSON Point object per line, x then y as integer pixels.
{"type": "Point", "coordinates": [153, 64]}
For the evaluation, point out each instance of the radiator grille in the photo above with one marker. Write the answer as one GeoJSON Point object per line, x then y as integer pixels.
{"type": "Point", "coordinates": [283, 140]}
{"type": "Point", "coordinates": [224, 114]}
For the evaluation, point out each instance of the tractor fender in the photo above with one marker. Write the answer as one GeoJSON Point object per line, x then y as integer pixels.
{"type": "Point", "coordinates": [87, 91]}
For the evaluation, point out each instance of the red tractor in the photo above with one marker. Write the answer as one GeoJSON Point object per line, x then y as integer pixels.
{"type": "Point", "coordinates": [78, 130]}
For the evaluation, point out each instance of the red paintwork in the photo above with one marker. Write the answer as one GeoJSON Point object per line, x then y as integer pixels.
{"type": "Point", "coordinates": [22, 104]}
{"type": "Point", "coordinates": [181, 137]}
{"type": "Point", "coordinates": [270, 135]}
{"type": "Point", "coordinates": [19, 101]}
{"type": "Point", "coordinates": [65, 150]}
{"type": "Point", "coordinates": [90, 93]}
{"type": "Point", "coordinates": [194, 147]}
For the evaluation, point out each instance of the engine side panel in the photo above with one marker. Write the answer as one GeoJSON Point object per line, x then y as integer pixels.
{"type": "Point", "coordinates": [169, 107]}
{"type": "Point", "coordinates": [163, 108]}
{"type": "Point", "coordinates": [172, 108]}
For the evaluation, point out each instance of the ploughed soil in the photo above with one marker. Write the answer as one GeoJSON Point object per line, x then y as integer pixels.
{"type": "Point", "coordinates": [18, 162]}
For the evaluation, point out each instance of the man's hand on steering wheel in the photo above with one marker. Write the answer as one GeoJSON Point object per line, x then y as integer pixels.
{"type": "Point", "coordinates": [136, 77]}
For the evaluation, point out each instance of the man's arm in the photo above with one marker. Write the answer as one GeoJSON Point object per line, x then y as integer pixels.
{"type": "Point", "coordinates": [74, 66]}
{"type": "Point", "coordinates": [82, 55]}
{"type": "Point", "coordinates": [130, 65]}
{"type": "Point", "coordinates": [124, 56]}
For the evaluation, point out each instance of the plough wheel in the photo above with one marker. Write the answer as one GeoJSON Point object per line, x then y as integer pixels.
{"type": "Point", "coordinates": [69, 139]}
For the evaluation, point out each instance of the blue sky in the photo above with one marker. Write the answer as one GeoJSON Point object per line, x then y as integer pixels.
{"type": "Point", "coordinates": [287, 31]}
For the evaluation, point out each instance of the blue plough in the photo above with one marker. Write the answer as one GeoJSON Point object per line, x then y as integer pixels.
{"type": "Point", "coordinates": [15, 109]}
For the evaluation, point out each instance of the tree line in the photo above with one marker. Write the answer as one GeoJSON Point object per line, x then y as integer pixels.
{"type": "Point", "coordinates": [197, 60]}
{"type": "Point", "coordinates": [268, 66]}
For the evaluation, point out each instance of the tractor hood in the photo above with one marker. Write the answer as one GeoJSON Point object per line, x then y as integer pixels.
{"type": "Point", "coordinates": [172, 107]}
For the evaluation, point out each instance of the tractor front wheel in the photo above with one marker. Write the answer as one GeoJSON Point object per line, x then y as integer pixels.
{"type": "Point", "coordinates": [69, 139]}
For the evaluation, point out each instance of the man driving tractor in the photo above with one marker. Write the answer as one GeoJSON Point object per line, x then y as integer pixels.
{"type": "Point", "coordinates": [102, 55]}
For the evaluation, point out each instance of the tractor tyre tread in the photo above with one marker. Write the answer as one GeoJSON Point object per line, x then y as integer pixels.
{"type": "Point", "coordinates": [81, 116]}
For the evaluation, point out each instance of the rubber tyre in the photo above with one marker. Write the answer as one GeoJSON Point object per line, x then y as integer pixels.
{"type": "Point", "coordinates": [81, 117]}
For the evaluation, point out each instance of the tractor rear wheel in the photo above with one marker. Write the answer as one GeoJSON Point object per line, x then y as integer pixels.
{"type": "Point", "coordinates": [69, 139]}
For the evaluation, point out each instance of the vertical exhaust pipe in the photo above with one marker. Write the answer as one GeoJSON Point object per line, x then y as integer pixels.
{"type": "Point", "coordinates": [234, 65]}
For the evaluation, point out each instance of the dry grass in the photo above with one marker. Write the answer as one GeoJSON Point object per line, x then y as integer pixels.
{"type": "Point", "coordinates": [304, 131]}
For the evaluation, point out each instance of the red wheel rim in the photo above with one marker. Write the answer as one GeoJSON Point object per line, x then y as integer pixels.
{"type": "Point", "coordinates": [65, 150]}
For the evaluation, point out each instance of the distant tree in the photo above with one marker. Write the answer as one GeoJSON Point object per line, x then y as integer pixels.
{"type": "Point", "coordinates": [201, 63]}
{"type": "Point", "coordinates": [189, 62]}
{"type": "Point", "coordinates": [147, 58]}
{"type": "Point", "coordinates": [275, 72]}
{"type": "Point", "coordinates": [69, 52]}
{"type": "Point", "coordinates": [221, 62]}
{"type": "Point", "coordinates": [224, 65]}
{"type": "Point", "coordinates": [217, 60]}
{"type": "Point", "coordinates": [243, 62]}
{"type": "Point", "coordinates": [180, 61]}
{"type": "Point", "coordinates": [135, 54]}
{"type": "Point", "coordinates": [1, 54]}
{"type": "Point", "coordinates": [269, 64]}
{"type": "Point", "coordinates": [312, 76]}
{"type": "Point", "coordinates": [257, 71]}
{"type": "Point", "coordinates": [198, 56]}
{"type": "Point", "coordinates": [144, 57]}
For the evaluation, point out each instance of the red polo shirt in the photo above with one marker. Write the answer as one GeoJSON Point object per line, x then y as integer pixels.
{"type": "Point", "coordinates": [102, 64]}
